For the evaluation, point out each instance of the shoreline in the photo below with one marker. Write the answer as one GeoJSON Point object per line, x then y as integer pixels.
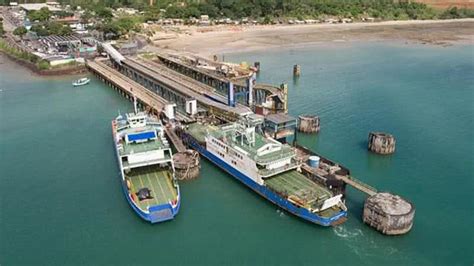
{"type": "Point", "coordinates": [44, 73]}
{"type": "Point", "coordinates": [214, 40]}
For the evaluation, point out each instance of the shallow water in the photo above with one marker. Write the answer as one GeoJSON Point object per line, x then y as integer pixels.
{"type": "Point", "coordinates": [61, 200]}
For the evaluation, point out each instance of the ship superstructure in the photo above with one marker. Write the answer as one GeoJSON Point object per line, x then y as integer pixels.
{"type": "Point", "coordinates": [267, 166]}
{"type": "Point", "coordinates": [146, 167]}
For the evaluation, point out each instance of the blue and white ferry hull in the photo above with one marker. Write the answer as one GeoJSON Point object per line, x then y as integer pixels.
{"type": "Point", "coordinates": [267, 193]}
{"type": "Point", "coordinates": [157, 213]}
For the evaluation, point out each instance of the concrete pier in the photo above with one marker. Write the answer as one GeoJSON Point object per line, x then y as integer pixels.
{"type": "Point", "coordinates": [126, 86]}
{"type": "Point", "coordinates": [177, 88]}
{"type": "Point", "coordinates": [381, 143]}
{"type": "Point", "coordinates": [309, 123]}
{"type": "Point", "coordinates": [389, 214]}
{"type": "Point", "coordinates": [186, 164]}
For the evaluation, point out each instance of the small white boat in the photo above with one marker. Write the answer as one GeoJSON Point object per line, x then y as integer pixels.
{"type": "Point", "coordinates": [81, 82]}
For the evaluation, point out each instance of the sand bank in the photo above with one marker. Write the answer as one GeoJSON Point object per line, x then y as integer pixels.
{"type": "Point", "coordinates": [226, 39]}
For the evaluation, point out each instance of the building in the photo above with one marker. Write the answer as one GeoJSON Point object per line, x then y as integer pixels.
{"type": "Point", "coordinates": [60, 43]}
{"type": "Point", "coordinates": [204, 21]}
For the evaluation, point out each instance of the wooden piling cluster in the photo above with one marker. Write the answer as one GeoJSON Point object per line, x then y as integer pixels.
{"type": "Point", "coordinates": [389, 214]}
{"type": "Point", "coordinates": [381, 143]}
{"type": "Point", "coordinates": [309, 123]}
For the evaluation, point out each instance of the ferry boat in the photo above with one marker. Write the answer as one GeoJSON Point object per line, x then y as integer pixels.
{"type": "Point", "coordinates": [81, 82]}
{"type": "Point", "coordinates": [146, 167]}
{"type": "Point", "coordinates": [266, 166]}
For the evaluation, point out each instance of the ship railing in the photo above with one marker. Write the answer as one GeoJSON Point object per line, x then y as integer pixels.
{"type": "Point", "coordinates": [360, 184]}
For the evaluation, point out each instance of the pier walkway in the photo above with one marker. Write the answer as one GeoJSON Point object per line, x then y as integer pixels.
{"type": "Point", "coordinates": [355, 183]}
{"type": "Point", "coordinates": [127, 85]}
{"type": "Point", "coordinates": [130, 87]}
{"type": "Point", "coordinates": [177, 142]}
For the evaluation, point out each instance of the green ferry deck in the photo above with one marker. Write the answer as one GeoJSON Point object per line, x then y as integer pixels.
{"type": "Point", "coordinates": [294, 185]}
{"type": "Point", "coordinates": [159, 181]}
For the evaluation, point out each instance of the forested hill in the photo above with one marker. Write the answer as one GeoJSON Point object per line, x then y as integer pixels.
{"type": "Point", "coordinates": [383, 9]}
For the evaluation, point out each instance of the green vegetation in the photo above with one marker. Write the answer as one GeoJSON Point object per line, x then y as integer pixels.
{"type": "Point", "coordinates": [120, 26]}
{"type": "Point", "coordinates": [455, 12]}
{"type": "Point", "coordinates": [63, 14]}
{"type": "Point", "coordinates": [51, 28]}
{"type": "Point", "coordinates": [43, 65]}
{"type": "Point", "coordinates": [264, 11]}
{"type": "Point", "coordinates": [22, 55]}
{"type": "Point", "coordinates": [20, 31]}
{"type": "Point", "coordinates": [383, 9]}
{"type": "Point", "coordinates": [2, 31]}
{"type": "Point", "coordinates": [41, 15]}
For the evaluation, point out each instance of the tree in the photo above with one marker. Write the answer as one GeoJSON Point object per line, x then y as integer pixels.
{"type": "Point", "coordinates": [40, 30]}
{"type": "Point", "coordinates": [20, 31]}
{"type": "Point", "coordinates": [53, 28]}
{"type": "Point", "coordinates": [103, 12]}
{"type": "Point", "coordinates": [41, 15]}
{"type": "Point", "coordinates": [127, 23]}
{"type": "Point", "coordinates": [65, 30]}
{"type": "Point", "coordinates": [86, 16]}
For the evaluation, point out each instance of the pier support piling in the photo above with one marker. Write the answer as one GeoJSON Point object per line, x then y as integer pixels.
{"type": "Point", "coordinates": [186, 164]}
{"type": "Point", "coordinates": [381, 143]}
{"type": "Point", "coordinates": [296, 70]}
{"type": "Point", "coordinates": [389, 214]}
{"type": "Point", "coordinates": [257, 66]}
{"type": "Point", "coordinates": [309, 123]}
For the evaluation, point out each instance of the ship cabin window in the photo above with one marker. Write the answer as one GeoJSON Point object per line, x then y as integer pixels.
{"type": "Point", "coordinates": [235, 154]}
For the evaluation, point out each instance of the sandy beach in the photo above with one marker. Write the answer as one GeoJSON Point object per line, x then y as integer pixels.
{"type": "Point", "coordinates": [226, 39]}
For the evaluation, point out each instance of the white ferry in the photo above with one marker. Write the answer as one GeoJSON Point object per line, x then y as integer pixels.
{"type": "Point", "coordinates": [146, 167]}
{"type": "Point", "coordinates": [268, 167]}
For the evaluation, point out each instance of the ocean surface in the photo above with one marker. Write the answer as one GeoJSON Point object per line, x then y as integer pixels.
{"type": "Point", "coordinates": [61, 202]}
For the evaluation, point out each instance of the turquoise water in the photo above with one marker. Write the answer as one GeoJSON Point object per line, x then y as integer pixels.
{"type": "Point", "coordinates": [61, 200]}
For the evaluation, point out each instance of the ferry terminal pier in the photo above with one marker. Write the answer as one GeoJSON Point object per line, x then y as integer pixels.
{"type": "Point", "coordinates": [186, 89]}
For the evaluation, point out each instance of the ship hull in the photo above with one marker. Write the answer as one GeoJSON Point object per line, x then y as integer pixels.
{"type": "Point", "coordinates": [265, 192]}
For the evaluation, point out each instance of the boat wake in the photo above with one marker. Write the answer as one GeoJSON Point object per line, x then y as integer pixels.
{"type": "Point", "coordinates": [363, 247]}
{"type": "Point", "coordinates": [343, 232]}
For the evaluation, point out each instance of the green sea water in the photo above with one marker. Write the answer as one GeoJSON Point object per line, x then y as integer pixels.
{"type": "Point", "coordinates": [61, 201]}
